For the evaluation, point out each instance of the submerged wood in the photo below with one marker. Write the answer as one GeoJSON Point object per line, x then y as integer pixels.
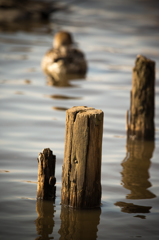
{"type": "Point", "coordinates": [81, 171]}
{"type": "Point", "coordinates": [141, 122]}
{"type": "Point", "coordinates": [46, 175]}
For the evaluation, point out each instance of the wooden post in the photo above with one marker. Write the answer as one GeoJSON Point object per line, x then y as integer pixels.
{"type": "Point", "coordinates": [141, 122]}
{"type": "Point", "coordinates": [81, 171]}
{"type": "Point", "coordinates": [46, 175]}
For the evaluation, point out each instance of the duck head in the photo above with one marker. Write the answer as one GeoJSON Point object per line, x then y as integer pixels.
{"type": "Point", "coordinates": [62, 39]}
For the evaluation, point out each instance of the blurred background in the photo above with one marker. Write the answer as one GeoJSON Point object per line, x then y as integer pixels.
{"type": "Point", "coordinates": [32, 108]}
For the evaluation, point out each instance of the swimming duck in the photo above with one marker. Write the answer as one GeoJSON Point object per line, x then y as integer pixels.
{"type": "Point", "coordinates": [64, 58]}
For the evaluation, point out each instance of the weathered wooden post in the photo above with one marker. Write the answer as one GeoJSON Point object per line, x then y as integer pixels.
{"type": "Point", "coordinates": [141, 122]}
{"type": "Point", "coordinates": [81, 171]}
{"type": "Point", "coordinates": [46, 175]}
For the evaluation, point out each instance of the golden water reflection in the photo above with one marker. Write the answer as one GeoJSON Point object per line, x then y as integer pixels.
{"type": "Point", "coordinates": [132, 208]}
{"type": "Point", "coordinates": [136, 164]}
{"type": "Point", "coordinates": [63, 97]}
{"type": "Point", "coordinates": [79, 224]}
{"type": "Point", "coordinates": [45, 222]}
{"type": "Point", "coordinates": [60, 108]}
{"type": "Point", "coordinates": [63, 80]}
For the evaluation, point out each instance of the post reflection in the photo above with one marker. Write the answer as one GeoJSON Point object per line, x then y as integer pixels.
{"type": "Point", "coordinates": [44, 223]}
{"type": "Point", "coordinates": [79, 224]}
{"type": "Point", "coordinates": [136, 166]}
{"type": "Point", "coordinates": [132, 208]}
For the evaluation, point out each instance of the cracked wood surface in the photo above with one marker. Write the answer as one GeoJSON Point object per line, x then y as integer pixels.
{"type": "Point", "coordinates": [81, 171]}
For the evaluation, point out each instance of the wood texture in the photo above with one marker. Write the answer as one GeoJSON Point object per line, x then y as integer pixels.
{"type": "Point", "coordinates": [81, 171]}
{"type": "Point", "coordinates": [46, 175]}
{"type": "Point", "coordinates": [141, 123]}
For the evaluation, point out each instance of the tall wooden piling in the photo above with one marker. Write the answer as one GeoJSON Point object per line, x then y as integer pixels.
{"type": "Point", "coordinates": [81, 171]}
{"type": "Point", "coordinates": [141, 122]}
{"type": "Point", "coordinates": [46, 175]}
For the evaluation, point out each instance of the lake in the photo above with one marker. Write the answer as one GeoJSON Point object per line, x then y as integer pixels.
{"type": "Point", "coordinates": [33, 111]}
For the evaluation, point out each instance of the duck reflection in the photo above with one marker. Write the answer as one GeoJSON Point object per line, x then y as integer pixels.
{"type": "Point", "coordinates": [79, 224]}
{"type": "Point", "coordinates": [63, 80]}
{"type": "Point", "coordinates": [136, 166]}
{"type": "Point", "coordinates": [44, 223]}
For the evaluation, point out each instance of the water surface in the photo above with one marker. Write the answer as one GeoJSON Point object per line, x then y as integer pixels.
{"type": "Point", "coordinates": [32, 118]}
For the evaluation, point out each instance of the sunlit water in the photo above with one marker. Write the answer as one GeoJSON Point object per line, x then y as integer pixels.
{"type": "Point", "coordinates": [112, 34]}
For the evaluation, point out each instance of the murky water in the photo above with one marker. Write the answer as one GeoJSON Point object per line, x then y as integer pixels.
{"type": "Point", "coordinates": [32, 114]}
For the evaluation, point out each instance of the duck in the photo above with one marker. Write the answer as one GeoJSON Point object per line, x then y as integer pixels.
{"type": "Point", "coordinates": [64, 58]}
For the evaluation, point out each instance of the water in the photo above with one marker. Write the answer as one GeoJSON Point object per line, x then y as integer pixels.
{"type": "Point", "coordinates": [32, 114]}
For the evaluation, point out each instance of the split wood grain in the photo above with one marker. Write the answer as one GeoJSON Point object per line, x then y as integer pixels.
{"type": "Point", "coordinates": [81, 171]}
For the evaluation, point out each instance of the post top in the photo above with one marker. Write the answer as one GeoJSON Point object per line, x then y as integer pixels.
{"type": "Point", "coordinates": [84, 109]}
{"type": "Point", "coordinates": [141, 58]}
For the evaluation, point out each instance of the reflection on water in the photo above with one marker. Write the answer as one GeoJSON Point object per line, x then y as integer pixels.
{"type": "Point", "coordinates": [60, 108]}
{"type": "Point", "coordinates": [45, 222]}
{"type": "Point", "coordinates": [141, 216]}
{"type": "Point", "coordinates": [26, 26]}
{"type": "Point", "coordinates": [27, 81]}
{"type": "Point", "coordinates": [132, 208]}
{"type": "Point", "coordinates": [79, 224]}
{"type": "Point", "coordinates": [136, 166]}
{"type": "Point", "coordinates": [63, 80]}
{"type": "Point", "coordinates": [111, 33]}
{"type": "Point", "coordinates": [63, 97]}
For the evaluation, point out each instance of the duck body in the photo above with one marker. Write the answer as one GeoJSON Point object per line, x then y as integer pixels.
{"type": "Point", "coordinates": [63, 58]}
